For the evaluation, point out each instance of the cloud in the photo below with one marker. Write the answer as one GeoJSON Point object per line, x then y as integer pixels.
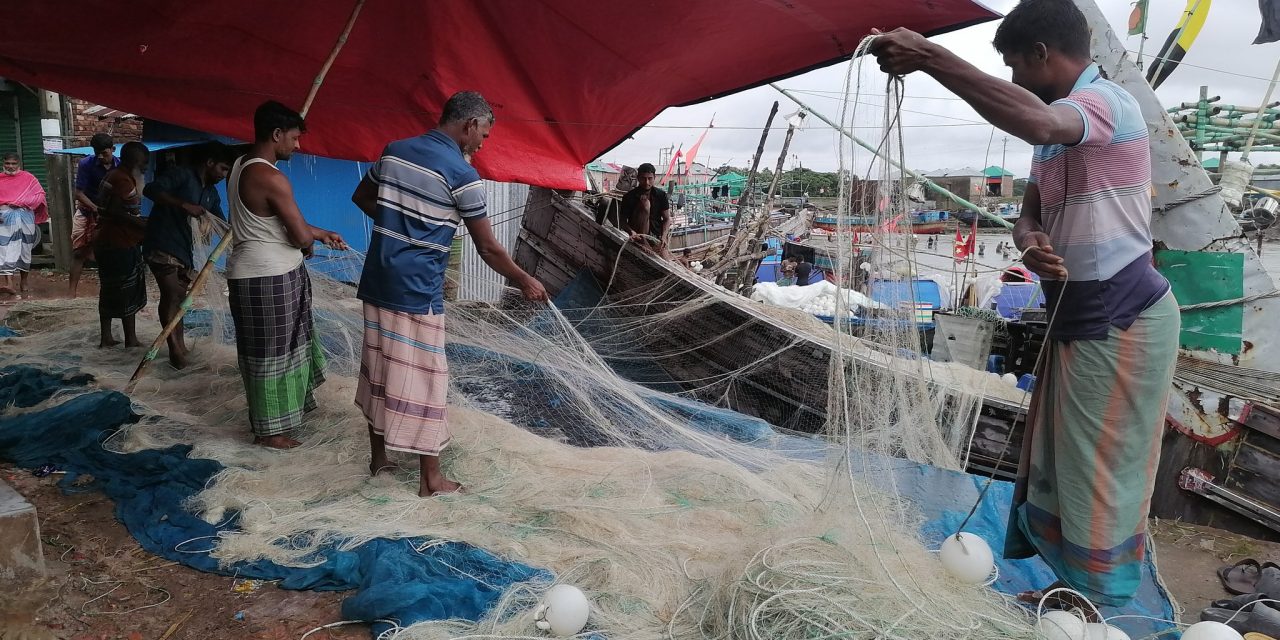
{"type": "Point", "coordinates": [939, 130]}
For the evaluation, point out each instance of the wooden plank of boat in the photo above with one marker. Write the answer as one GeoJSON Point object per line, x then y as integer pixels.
{"type": "Point", "coordinates": [732, 351]}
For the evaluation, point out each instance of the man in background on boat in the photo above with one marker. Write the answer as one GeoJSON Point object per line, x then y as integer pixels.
{"type": "Point", "coordinates": [84, 222]}
{"type": "Point", "coordinates": [22, 210]}
{"type": "Point", "coordinates": [1096, 419]}
{"type": "Point", "coordinates": [186, 197]}
{"type": "Point", "coordinates": [277, 352]}
{"type": "Point", "coordinates": [417, 195]}
{"type": "Point", "coordinates": [646, 211]}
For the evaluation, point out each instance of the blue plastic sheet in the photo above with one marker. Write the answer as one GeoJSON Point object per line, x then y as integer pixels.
{"type": "Point", "coordinates": [392, 579]}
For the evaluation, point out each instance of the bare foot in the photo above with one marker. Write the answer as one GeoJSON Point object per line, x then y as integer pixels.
{"type": "Point", "coordinates": [132, 344]}
{"type": "Point", "coordinates": [8, 291]}
{"type": "Point", "coordinates": [382, 466]}
{"type": "Point", "coordinates": [108, 342]}
{"type": "Point", "coordinates": [444, 488]}
{"type": "Point", "coordinates": [276, 442]}
{"type": "Point", "coordinates": [178, 360]}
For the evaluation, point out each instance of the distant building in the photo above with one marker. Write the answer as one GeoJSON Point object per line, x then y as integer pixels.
{"type": "Point", "coordinates": [966, 182]}
{"type": "Point", "coordinates": [999, 182]}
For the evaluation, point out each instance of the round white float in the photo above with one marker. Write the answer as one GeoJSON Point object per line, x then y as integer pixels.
{"type": "Point", "coordinates": [564, 611]}
{"type": "Point", "coordinates": [1210, 631]}
{"type": "Point", "coordinates": [967, 558]}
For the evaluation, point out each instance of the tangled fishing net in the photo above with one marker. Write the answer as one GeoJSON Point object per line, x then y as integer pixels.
{"type": "Point", "coordinates": [675, 520]}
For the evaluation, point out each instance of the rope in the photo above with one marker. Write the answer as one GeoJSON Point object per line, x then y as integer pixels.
{"type": "Point", "coordinates": [1229, 303]}
{"type": "Point", "coordinates": [1169, 206]}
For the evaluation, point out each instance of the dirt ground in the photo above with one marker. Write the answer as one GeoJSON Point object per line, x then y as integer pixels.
{"type": "Point", "coordinates": [102, 586]}
{"type": "Point", "coordinates": [47, 284]}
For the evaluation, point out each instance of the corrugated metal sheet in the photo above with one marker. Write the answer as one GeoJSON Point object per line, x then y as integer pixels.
{"type": "Point", "coordinates": [506, 214]}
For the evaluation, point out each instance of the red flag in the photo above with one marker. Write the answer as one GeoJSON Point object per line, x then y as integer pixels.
{"type": "Point", "coordinates": [965, 247]}
{"type": "Point", "coordinates": [693, 151]}
{"type": "Point", "coordinates": [961, 250]}
{"type": "Point", "coordinates": [671, 168]}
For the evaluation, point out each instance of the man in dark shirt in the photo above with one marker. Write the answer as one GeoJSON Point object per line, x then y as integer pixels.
{"type": "Point", "coordinates": [84, 222]}
{"type": "Point", "coordinates": [646, 210]}
{"type": "Point", "coordinates": [183, 194]}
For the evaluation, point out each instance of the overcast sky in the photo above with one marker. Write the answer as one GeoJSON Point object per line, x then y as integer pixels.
{"type": "Point", "coordinates": [940, 131]}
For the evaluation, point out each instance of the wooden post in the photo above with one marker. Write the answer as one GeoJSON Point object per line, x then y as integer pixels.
{"type": "Point", "coordinates": [745, 198]}
{"type": "Point", "coordinates": [60, 197]}
{"type": "Point", "coordinates": [757, 232]}
{"type": "Point", "coordinates": [755, 164]}
{"type": "Point", "coordinates": [61, 208]}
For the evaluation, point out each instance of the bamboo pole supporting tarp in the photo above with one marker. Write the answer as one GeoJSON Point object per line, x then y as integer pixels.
{"type": "Point", "coordinates": [225, 242]}
{"type": "Point", "coordinates": [1257, 122]}
{"type": "Point", "coordinates": [929, 184]}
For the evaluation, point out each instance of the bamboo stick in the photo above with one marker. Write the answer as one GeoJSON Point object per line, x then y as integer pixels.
{"type": "Point", "coordinates": [225, 242]}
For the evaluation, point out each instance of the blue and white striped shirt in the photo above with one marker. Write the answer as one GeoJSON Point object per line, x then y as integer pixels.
{"type": "Point", "coordinates": [425, 190]}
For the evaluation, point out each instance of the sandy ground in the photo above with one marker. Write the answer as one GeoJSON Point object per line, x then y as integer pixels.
{"type": "Point", "coordinates": [101, 585]}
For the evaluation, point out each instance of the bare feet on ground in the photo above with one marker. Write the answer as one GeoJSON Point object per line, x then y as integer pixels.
{"type": "Point", "coordinates": [108, 342]}
{"type": "Point", "coordinates": [438, 485]}
{"type": "Point", "coordinates": [276, 442]}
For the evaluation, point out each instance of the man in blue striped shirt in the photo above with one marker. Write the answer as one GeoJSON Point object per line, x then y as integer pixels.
{"type": "Point", "coordinates": [417, 195]}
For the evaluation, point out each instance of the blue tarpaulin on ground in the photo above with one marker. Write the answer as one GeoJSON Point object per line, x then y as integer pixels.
{"type": "Point", "coordinates": [392, 578]}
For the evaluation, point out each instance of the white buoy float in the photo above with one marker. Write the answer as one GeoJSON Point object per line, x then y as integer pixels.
{"type": "Point", "coordinates": [1210, 631]}
{"type": "Point", "coordinates": [563, 612]}
{"type": "Point", "coordinates": [1099, 631]}
{"type": "Point", "coordinates": [967, 558]}
{"type": "Point", "coordinates": [1062, 625]}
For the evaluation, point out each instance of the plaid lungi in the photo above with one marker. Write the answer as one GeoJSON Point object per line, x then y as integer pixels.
{"type": "Point", "coordinates": [280, 360]}
{"type": "Point", "coordinates": [404, 380]}
{"type": "Point", "coordinates": [122, 281]}
{"type": "Point", "coordinates": [1090, 452]}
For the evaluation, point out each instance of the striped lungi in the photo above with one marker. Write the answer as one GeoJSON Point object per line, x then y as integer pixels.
{"type": "Point", "coordinates": [19, 234]}
{"type": "Point", "coordinates": [281, 362]}
{"type": "Point", "coordinates": [122, 281]}
{"type": "Point", "coordinates": [1090, 453]}
{"type": "Point", "coordinates": [404, 380]}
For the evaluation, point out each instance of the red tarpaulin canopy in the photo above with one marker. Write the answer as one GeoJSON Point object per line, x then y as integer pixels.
{"type": "Point", "coordinates": [568, 79]}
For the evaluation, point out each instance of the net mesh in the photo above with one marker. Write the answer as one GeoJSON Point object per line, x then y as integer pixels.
{"type": "Point", "coordinates": [584, 452]}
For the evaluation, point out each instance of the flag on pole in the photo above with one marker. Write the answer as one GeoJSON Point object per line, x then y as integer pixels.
{"type": "Point", "coordinates": [675, 160]}
{"type": "Point", "coordinates": [1179, 42]}
{"type": "Point", "coordinates": [964, 247]}
{"type": "Point", "coordinates": [693, 151]}
{"type": "Point", "coordinates": [1270, 30]}
{"type": "Point", "coordinates": [1138, 18]}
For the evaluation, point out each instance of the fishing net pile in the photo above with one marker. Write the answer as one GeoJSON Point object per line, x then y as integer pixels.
{"type": "Point", "coordinates": [675, 518]}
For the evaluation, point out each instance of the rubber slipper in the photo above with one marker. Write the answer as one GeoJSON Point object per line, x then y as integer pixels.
{"type": "Point", "coordinates": [1241, 577]}
{"type": "Point", "coordinates": [1268, 580]}
{"type": "Point", "coordinates": [1261, 620]}
{"type": "Point", "coordinates": [1243, 602]}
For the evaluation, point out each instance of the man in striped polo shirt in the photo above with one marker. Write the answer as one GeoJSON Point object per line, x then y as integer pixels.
{"type": "Point", "coordinates": [417, 194]}
{"type": "Point", "coordinates": [1096, 418]}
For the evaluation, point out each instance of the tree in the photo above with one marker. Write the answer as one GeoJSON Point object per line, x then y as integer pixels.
{"type": "Point", "coordinates": [1019, 186]}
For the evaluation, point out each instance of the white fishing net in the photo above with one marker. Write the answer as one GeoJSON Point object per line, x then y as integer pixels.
{"type": "Point", "coordinates": [675, 520]}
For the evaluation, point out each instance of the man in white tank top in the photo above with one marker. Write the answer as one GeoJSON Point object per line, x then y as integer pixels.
{"type": "Point", "coordinates": [280, 360]}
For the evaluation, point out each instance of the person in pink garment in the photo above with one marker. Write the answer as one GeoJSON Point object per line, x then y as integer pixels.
{"type": "Point", "coordinates": [22, 211]}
